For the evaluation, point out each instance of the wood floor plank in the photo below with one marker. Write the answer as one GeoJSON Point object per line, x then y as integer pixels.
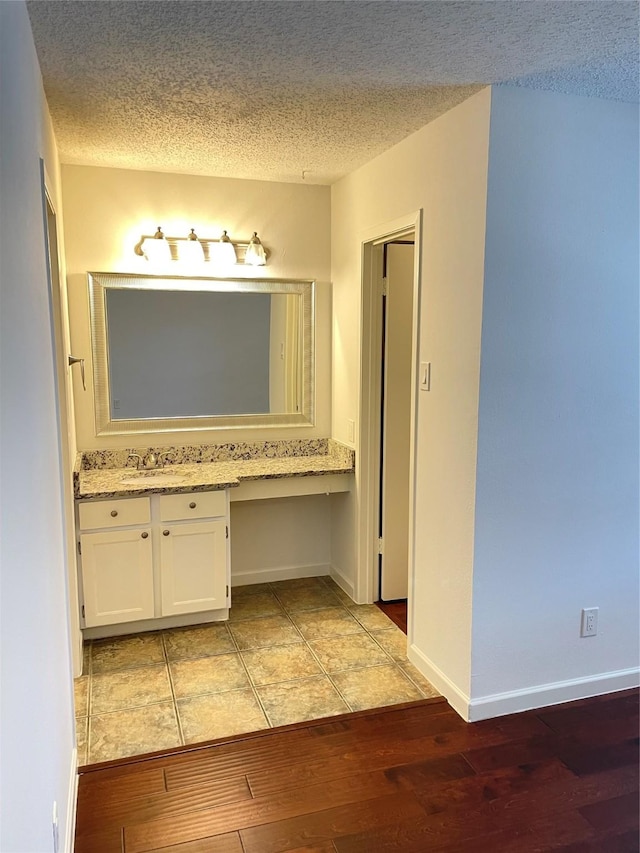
{"type": "Point", "coordinates": [102, 841]}
{"type": "Point", "coordinates": [593, 759]}
{"type": "Point", "coordinates": [121, 812]}
{"type": "Point", "coordinates": [228, 843]}
{"type": "Point", "coordinates": [142, 837]}
{"type": "Point", "coordinates": [618, 813]}
{"type": "Point", "coordinates": [140, 784]}
{"type": "Point", "coordinates": [617, 842]}
{"type": "Point", "coordinates": [330, 824]}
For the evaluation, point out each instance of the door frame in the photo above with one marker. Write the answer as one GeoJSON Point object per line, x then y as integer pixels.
{"type": "Point", "coordinates": [368, 458]}
{"type": "Point", "coordinates": [64, 409]}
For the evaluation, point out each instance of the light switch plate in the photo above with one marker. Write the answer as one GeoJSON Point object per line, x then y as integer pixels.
{"type": "Point", "coordinates": [425, 376]}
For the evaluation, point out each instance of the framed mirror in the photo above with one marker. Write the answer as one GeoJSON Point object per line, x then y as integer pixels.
{"type": "Point", "coordinates": [180, 353]}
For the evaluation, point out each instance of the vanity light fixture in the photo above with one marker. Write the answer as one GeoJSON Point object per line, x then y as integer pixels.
{"type": "Point", "coordinates": [255, 254]}
{"type": "Point", "coordinates": [157, 249]}
{"type": "Point", "coordinates": [193, 249]}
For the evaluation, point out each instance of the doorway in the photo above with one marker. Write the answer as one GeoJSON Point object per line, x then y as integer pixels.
{"type": "Point", "coordinates": [388, 407]}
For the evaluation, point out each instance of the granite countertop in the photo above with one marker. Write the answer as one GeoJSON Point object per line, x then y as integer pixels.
{"type": "Point", "coordinates": [101, 483]}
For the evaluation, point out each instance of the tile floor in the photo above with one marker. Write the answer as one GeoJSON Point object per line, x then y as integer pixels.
{"type": "Point", "coordinates": [291, 651]}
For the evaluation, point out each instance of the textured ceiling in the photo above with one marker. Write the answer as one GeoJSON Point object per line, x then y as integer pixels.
{"type": "Point", "coordinates": [270, 89]}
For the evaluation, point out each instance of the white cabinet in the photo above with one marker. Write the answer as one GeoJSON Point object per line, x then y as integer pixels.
{"type": "Point", "coordinates": [155, 558]}
{"type": "Point", "coordinates": [117, 576]}
{"type": "Point", "coordinates": [191, 555]}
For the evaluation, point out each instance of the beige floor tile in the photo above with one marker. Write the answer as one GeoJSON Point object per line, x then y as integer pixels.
{"type": "Point", "coordinates": [393, 641]}
{"type": "Point", "coordinates": [418, 678]}
{"type": "Point", "coordinates": [129, 688]}
{"type": "Point", "coordinates": [280, 663]}
{"type": "Point", "coordinates": [208, 675]}
{"type": "Point", "coordinates": [198, 641]}
{"type": "Point", "coordinates": [82, 729]}
{"type": "Point", "coordinates": [81, 695]}
{"type": "Point", "coordinates": [126, 652]}
{"type": "Point", "coordinates": [375, 687]}
{"type": "Point", "coordinates": [254, 606]}
{"type": "Point", "coordinates": [220, 715]}
{"type": "Point", "coordinates": [342, 596]}
{"type": "Point", "coordinates": [260, 633]}
{"type": "Point", "coordinates": [86, 658]}
{"type": "Point", "coordinates": [329, 622]}
{"type": "Point", "coordinates": [371, 617]}
{"type": "Point", "coordinates": [133, 732]}
{"type": "Point", "coordinates": [351, 652]}
{"type": "Point", "coordinates": [295, 701]}
{"type": "Point", "coordinates": [307, 598]}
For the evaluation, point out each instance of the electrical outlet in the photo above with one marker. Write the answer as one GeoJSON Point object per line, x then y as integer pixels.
{"type": "Point", "coordinates": [55, 828]}
{"type": "Point", "coordinates": [351, 431]}
{"type": "Point", "coordinates": [589, 624]}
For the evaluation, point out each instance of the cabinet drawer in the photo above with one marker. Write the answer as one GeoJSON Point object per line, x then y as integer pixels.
{"type": "Point", "coordinates": [196, 505]}
{"type": "Point", "coordinates": [115, 513]}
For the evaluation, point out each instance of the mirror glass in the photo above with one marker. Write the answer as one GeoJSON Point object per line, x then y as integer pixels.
{"type": "Point", "coordinates": [200, 353]}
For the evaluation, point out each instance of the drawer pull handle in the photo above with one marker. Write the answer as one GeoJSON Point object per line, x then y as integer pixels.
{"type": "Point", "coordinates": [192, 505]}
{"type": "Point", "coordinates": [145, 535]}
{"type": "Point", "coordinates": [114, 512]}
{"type": "Point", "coordinates": [165, 532]}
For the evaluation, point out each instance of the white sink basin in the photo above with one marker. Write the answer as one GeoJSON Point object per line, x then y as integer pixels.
{"type": "Point", "coordinates": [155, 478]}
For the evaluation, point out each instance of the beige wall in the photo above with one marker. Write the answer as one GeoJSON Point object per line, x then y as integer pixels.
{"type": "Point", "coordinates": [441, 169]}
{"type": "Point", "coordinates": [106, 212]}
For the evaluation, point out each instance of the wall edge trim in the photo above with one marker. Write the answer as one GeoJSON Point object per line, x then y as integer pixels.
{"type": "Point", "coordinates": [458, 700]}
{"type": "Point", "coordinates": [345, 585]}
{"type": "Point", "coordinates": [554, 693]}
{"type": "Point", "coordinates": [72, 804]}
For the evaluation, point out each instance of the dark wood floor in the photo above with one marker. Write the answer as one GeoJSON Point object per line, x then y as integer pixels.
{"type": "Point", "coordinates": [396, 611]}
{"type": "Point", "coordinates": [407, 779]}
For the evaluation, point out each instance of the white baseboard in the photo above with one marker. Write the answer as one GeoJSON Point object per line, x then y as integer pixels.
{"type": "Point", "coordinates": [272, 575]}
{"type": "Point", "coordinates": [515, 701]}
{"type": "Point", "coordinates": [344, 584]}
{"type": "Point", "coordinates": [72, 801]}
{"type": "Point", "coordinates": [458, 700]}
{"type": "Point", "coordinates": [543, 695]}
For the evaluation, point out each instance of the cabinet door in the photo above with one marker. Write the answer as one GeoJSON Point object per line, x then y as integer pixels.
{"type": "Point", "coordinates": [117, 576]}
{"type": "Point", "coordinates": [193, 567]}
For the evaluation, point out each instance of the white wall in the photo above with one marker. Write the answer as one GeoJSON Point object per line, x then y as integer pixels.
{"type": "Point", "coordinates": [37, 732]}
{"type": "Point", "coordinates": [441, 169]}
{"type": "Point", "coordinates": [106, 212]}
{"type": "Point", "coordinates": [557, 488]}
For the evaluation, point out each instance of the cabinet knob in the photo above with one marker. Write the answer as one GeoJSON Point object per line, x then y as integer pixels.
{"type": "Point", "coordinates": [114, 512]}
{"type": "Point", "coordinates": [145, 535]}
{"type": "Point", "coordinates": [165, 532]}
{"type": "Point", "coordinates": [192, 505]}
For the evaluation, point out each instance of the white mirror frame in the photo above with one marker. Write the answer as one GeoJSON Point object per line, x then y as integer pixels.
{"type": "Point", "coordinates": [99, 283]}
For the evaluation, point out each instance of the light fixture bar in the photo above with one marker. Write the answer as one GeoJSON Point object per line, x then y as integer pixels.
{"type": "Point", "coordinates": [207, 243]}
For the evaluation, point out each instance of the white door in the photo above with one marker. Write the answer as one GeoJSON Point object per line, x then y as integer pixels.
{"type": "Point", "coordinates": [117, 576]}
{"type": "Point", "coordinates": [396, 421]}
{"type": "Point", "coordinates": [193, 567]}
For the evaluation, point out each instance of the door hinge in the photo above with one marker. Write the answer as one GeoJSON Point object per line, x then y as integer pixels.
{"type": "Point", "coordinates": [79, 547]}
{"type": "Point", "coordinates": [385, 286]}
{"type": "Point", "coordinates": [380, 545]}
{"type": "Point", "coordinates": [226, 530]}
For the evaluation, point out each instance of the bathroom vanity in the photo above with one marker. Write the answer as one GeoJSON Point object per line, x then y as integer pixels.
{"type": "Point", "coordinates": [154, 545]}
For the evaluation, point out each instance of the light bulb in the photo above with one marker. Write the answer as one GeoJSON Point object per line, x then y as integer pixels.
{"type": "Point", "coordinates": [223, 253]}
{"type": "Point", "coordinates": [156, 249]}
{"type": "Point", "coordinates": [255, 254]}
{"type": "Point", "coordinates": [191, 251]}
